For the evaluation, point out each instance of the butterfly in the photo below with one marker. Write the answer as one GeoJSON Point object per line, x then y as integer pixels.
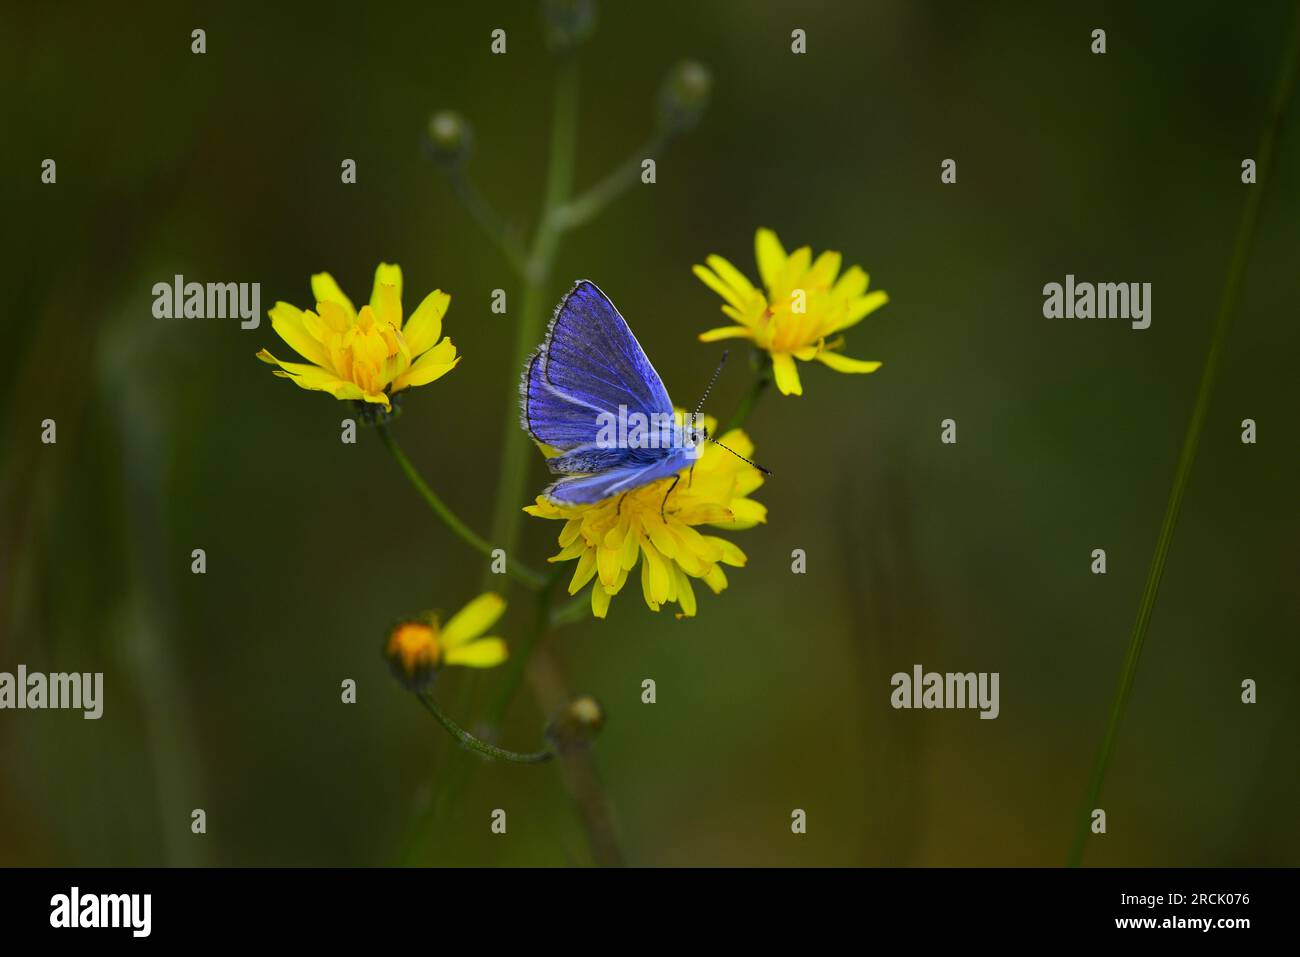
{"type": "Point", "coordinates": [589, 375]}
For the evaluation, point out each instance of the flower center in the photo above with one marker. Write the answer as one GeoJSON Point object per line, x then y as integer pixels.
{"type": "Point", "coordinates": [372, 352]}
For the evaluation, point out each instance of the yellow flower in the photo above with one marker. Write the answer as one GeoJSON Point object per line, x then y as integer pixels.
{"type": "Point", "coordinates": [418, 648]}
{"type": "Point", "coordinates": [804, 305]}
{"type": "Point", "coordinates": [609, 537]}
{"type": "Point", "coordinates": [366, 355]}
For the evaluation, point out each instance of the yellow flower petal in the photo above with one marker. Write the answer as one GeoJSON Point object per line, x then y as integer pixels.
{"type": "Point", "coordinates": [825, 269]}
{"type": "Point", "coordinates": [726, 332]}
{"type": "Point", "coordinates": [483, 653]}
{"type": "Point", "coordinates": [787, 376]}
{"type": "Point", "coordinates": [631, 546]}
{"type": "Point", "coordinates": [796, 264]}
{"type": "Point", "coordinates": [434, 364]}
{"type": "Point", "coordinates": [738, 441]}
{"type": "Point", "coordinates": [685, 594]}
{"type": "Point", "coordinates": [660, 536]}
{"type": "Point", "coordinates": [569, 551]}
{"type": "Point", "coordinates": [861, 308]}
{"type": "Point", "coordinates": [771, 257]}
{"type": "Point", "coordinates": [852, 284]}
{"type": "Point", "coordinates": [607, 566]}
{"type": "Point", "coordinates": [325, 289]}
{"type": "Point", "coordinates": [472, 620]}
{"type": "Point", "coordinates": [600, 602]}
{"type": "Point", "coordinates": [711, 280]}
{"type": "Point", "coordinates": [386, 274]}
{"type": "Point", "coordinates": [334, 318]}
{"type": "Point", "coordinates": [716, 579]}
{"type": "Point", "coordinates": [288, 322]}
{"type": "Point", "coordinates": [747, 512]}
{"type": "Point", "coordinates": [316, 379]}
{"type": "Point", "coordinates": [386, 297]}
{"type": "Point", "coordinates": [619, 581]}
{"type": "Point", "coordinates": [704, 513]}
{"type": "Point", "coordinates": [731, 553]}
{"type": "Point", "coordinates": [424, 327]}
{"type": "Point", "coordinates": [656, 585]}
{"type": "Point", "coordinates": [734, 278]}
{"type": "Point", "coordinates": [646, 589]}
{"type": "Point", "coordinates": [572, 529]}
{"type": "Point", "coordinates": [585, 571]}
{"type": "Point", "coordinates": [842, 363]}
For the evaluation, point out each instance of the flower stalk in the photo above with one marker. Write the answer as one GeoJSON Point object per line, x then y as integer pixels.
{"type": "Point", "coordinates": [470, 742]}
{"type": "Point", "coordinates": [516, 570]}
{"type": "Point", "coordinates": [1285, 85]}
{"type": "Point", "coordinates": [762, 379]}
{"type": "Point", "coordinates": [681, 103]}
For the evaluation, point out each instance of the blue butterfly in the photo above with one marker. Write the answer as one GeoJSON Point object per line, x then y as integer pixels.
{"type": "Point", "coordinates": [590, 373]}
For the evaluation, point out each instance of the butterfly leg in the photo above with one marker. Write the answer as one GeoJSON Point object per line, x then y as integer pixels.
{"type": "Point", "coordinates": [690, 476]}
{"type": "Point", "coordinates": [676, 478]}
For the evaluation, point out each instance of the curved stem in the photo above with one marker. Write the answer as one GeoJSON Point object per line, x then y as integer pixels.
{"type": "Point", "coordinates": [516, 570]}
{"type": "Point", "coordinates": [1236, 271]}
{"type": "Point", "coordinates": [542, 623]}
{"type": "Point", "coordinates": [468, 740]}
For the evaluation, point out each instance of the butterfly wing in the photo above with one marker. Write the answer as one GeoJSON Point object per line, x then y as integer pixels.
{"type": "Point", "coordinates": [585, 489]}
{"type": "Point", "coordinates": [589, 364]}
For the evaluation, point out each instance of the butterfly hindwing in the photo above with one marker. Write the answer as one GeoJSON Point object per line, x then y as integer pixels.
{"type": "Point", "coordinates": [585, 489]}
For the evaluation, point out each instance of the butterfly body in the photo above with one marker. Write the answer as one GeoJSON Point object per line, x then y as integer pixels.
{"type": "Point", "coordinates": [590, 392]}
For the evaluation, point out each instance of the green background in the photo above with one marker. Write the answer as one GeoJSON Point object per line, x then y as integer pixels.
{"type": "Point", "coordinates": [222, 691]}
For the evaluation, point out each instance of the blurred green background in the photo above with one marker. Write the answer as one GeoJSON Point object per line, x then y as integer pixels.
{"type": "Point", "coordinates": [222, 691]}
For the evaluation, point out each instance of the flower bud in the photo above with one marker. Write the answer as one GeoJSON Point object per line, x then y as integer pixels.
{"type": "Point", "coordinates": [576, 723]}
{"type": "Point", "coordinates": [568, 22]}
{"type": "Point", "coordinates": [449, 138]}
{"type": "Point", "coordinates": [414, 653]}
{"type": "Point", "coordinates": [683, 97]}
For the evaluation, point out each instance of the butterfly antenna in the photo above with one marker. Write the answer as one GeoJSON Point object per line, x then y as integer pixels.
{"type": "Point", "coordinates": [739, 456]}
{"type": "Point", "coordinates": [714, 378]}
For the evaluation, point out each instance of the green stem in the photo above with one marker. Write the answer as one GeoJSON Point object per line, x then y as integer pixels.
{"type": "Point", "coordinates": [1236, 272]}
{"type": "Point", "coordinates": [483, 214]}
{"type": "Point", "coordinates": [517, 570]}
{"type": "Point", "coordinates": [516, 449]}
{"type": "Point", "coordinates": [762, 379]}
{"type": "Point", "coordinates": [587, 206]}
{"type": "Point", "coordinates": [468, 740]}
{"type": "Point", "coordinates": [574, 610]}
{"type": "Point", "coordinates": [519, 660]}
